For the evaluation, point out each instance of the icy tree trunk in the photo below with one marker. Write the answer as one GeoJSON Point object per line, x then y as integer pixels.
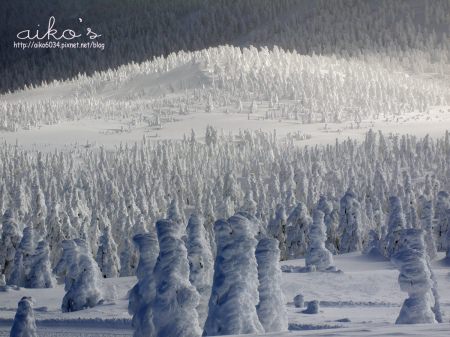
{"type": "Point", "coordinates": [271, 308]}
{"type": "Point", "coordinates": [414, 278]}
{"type": "Point", "coordinates": [176, 299]}
{"type": "Point", "coordinates": [234, 296]}
{"type": "Point", "coordinates": [318, 255]}
{"type": "Point", "coordinates": [24, 323]}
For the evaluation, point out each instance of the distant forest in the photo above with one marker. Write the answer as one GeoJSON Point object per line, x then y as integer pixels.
{"type": "Point", "coordinates": [137, 30]}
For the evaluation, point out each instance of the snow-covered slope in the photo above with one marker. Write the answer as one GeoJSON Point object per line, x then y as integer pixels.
{"type": "Point", "coordinates": [260, 84]}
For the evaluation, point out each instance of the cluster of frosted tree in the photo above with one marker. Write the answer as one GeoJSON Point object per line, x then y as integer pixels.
{"type": "Point", "coordinates": [181, 292]}
{"type": "Point", "coordinates": [406, 31]}
{"type": "Point", "coordinates": [26, 115]}
{"type": "Point", "coordinates": [272, 83]}
{"type": "Point", "coordinates": [107, 197]}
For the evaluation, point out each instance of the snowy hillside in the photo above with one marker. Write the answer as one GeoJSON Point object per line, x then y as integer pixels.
{"type": "Point", "coordinates": [138, 30]}
{"type": "Point", "coordinates": [260, 85]}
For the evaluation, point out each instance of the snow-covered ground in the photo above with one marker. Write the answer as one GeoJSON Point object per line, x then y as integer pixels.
{"type": "Point", "coordinates": [111, 133]}
{"type": "Point", "coordinates": [364, 300]}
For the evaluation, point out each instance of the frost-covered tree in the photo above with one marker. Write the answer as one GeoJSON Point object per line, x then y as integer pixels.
{"type": "Point", "coordinates": [39, 208]}
{"type": "Point", "coordinates": [128, 259]}
{"type": "Point", "coordinates": [447, 253]}
{"type": "Point", "coordinates": [40, 275]}
{"type": "Point", "coordinates": [10, 240]}
{"type": "Point", "coordinates": [350, 224]}
{"type": "Point", "coordinates": [174, 213]}
{"type": "Point", "coordinates": [143, 293]}
{"type": "Point", "coordinates": [176, 299]}
{"type": "Point", "coordinates": [55, 233]}
{"type": "Point", "coordinates": [297, 228]}
{"type": "Point", "coordinates": [318, 255]}
{"type": "Point", "coordinates": [396, 223]}
{"type": "Point", "coordinates": [271, 308]}
{"type": "Point", "coordinates": [277, 229]}
{"type": "Point", "coordinates": [209, 220]}
{"type": "Point", "coordinates": [82, 281]}
{"type": "Point", "coordinates": [249, 205]}
{"type": "Point", "coordinates": [331, 218]}
{"type": "Point", "coordinates": [375, 245]}
{"type": "Point", "coordinates": [200, 264]}
{"type": "Point", "coordinates": [234, 295]}
{"type": "Point", "coordinates": [23, 258]}
{"type": "Point", "coordinates": [441, 206]}
{"type": "Point", "coordinates": [69, 257]}
{"type": "Point", "coordinates": [414, 278]}
{"type": "Point", "coordinates": [24, 324]}
{"type": "Point", "coordinates": [426, 219]}
{"type": "Point", "coordinates": [107, 258]}
{"type": "Point", "coordinates": [409, 202]}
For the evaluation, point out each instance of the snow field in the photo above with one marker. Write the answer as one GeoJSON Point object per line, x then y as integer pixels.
{"type": "Point", "coordinates": [367, 294]}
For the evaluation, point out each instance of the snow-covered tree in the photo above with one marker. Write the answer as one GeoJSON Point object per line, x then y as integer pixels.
{"type": "Point", "coordinates": [277, 229]}
{"type": "Point", "coordinates": [331, 219]}
{"type": "Point", "coordinates": [69, 257]}
{"type": "Point", "coordinates": [249, 205]}
{"type": "Point", "coordinates": [271, 308]}
{"type": "Point", "coordinates": [426, 219]}
{"type": "Point", "coordinates": [24, 324]}
{"type": "Point", "coordinates": [23, 258]}
{"type": "Point", "coordinates": [350, 224]}
{"type": "Point", "coordinates": [234, 295]}
{"type": "Point", "coordinates": [107, 258]}
{"type": "Point", "coordinates": [414, 278]}
{"type": "Point", "coordinates": [143, 293]}
{"type": "Point", "coordinates": [297, 227]}
{"type": "Point", "coordinates": [318, 255]}
{"type": "Point", "coordinates": [39, 208]}
{"type": "Point", "coordinates": [441, 206]}
{"type": "Point", "coordinates": [209, 220]}
{"type": "Point", "coordinates": [40, 275]}
{"type": "Point", "coordinates": [55, 234]}
{"type": "Point", "coordinates": [82, 281]}
{"type": "Point", "coordinates": [174, 213]}
{"type": "Point", "coordinates": [128, 259]}
{"type": "Point", "coordinates": [396, 223]}
{"type": "Point", "coordinates": [10, 240]}
{"type": "Point", "coordinates": [176, 299]}
{"type": "Point", "coordinates": [200, 263]}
